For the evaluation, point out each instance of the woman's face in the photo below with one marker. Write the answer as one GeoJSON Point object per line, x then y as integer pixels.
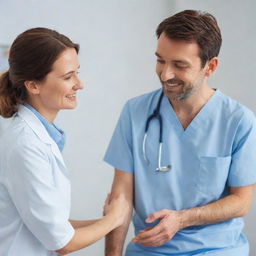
{"type": "Point", "coordinates": [59, 88]}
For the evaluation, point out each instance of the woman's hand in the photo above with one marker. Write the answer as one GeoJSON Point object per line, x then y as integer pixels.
{"type": "Point", "coordinates": [116, 211]}
{"type": "Point", "coordinates": [117, 207]}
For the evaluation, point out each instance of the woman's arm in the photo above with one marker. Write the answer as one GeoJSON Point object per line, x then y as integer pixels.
{"type": "Point", "coordinates": [87, 235]}
{"type": "Point", "coordinates": [82, 223]}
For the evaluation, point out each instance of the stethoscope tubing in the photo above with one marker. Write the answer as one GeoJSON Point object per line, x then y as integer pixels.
{"type": "Point", "coordinates": [155, 115]}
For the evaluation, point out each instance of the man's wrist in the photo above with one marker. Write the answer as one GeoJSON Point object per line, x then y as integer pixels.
{"type": "Point", "coordinates": [113, 248]}
{"type": "Point", "coordinates": [113, 253]}
{"type": "Point", "coordinates": [189, 217]}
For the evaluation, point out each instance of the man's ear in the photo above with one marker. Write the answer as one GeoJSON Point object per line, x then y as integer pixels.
{"type": "Point", "coordinates": [211, 66]}
{"type": "Point", "coordinates": [32, 87]}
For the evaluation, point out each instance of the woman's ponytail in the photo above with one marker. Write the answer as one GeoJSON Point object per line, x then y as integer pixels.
{"type": "Point", "coordinates": [8, 102]}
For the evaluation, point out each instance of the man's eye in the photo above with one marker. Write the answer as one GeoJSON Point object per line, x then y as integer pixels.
{"type": "Point", "coordinates": [179, 66]}
{"type": "Point", "coordinates": [67, 78]}
{"type": "Point", "coordinates": [160, 61]}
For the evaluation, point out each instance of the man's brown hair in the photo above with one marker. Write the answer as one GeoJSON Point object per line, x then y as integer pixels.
{"type": "Point", "coordinates": [194, 26]}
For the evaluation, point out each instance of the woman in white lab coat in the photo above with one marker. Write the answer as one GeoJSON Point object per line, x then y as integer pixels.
{"type": "Point", "coordinates": [34, 182]}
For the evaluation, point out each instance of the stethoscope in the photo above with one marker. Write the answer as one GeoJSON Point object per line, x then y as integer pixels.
{"type": "Point", "coordinates": [156, 114]}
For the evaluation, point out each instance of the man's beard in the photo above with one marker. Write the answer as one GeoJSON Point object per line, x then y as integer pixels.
{"type": "Point", "coordinates": [185, 90]}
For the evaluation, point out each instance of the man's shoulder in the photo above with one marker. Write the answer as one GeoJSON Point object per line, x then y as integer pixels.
{"type": "Point", "coordinates": [235, 109]}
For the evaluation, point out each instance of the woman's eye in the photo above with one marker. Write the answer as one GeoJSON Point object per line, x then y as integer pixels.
{"type": "Point", "coordinates": [67, 78]}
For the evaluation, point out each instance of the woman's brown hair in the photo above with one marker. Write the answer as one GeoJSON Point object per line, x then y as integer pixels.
{"type": "Point", "coordinates": [31, 58]}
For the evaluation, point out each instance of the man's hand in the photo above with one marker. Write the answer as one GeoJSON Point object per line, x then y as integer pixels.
{"type": "Point", "coordinates": [232, 206]}
{"type": "Point", "coordinates": [170, 223]}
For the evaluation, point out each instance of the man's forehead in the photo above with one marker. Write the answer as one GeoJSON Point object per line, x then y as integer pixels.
{"type": "Point", "coordinates": [170, 48]}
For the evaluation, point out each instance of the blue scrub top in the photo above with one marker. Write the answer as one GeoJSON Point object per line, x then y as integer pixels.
{"type": "Point", "coordinates": [215, 151]}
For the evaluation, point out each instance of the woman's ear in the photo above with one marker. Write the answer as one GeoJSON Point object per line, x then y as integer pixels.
{"type": "Point", "coordinates": [32, 87]}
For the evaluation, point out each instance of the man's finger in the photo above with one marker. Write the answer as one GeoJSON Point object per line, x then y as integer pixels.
{"type": "Point", "coordinates": [156, 215]}
{"type": "Point", "coordinates": [149, 233]}
{"type": "Point", "coordinates": [146, 229]}
{"type": "Point", "coordinates": [153, 241]}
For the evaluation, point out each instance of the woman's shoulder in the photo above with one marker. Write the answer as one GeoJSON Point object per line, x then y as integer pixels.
{"type": "Point", "coordinates": [19, 135]}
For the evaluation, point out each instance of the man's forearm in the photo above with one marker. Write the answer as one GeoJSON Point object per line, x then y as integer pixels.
{"type": "Point", "coordinates": [114, 240]}
{"type": "Point", "coordinates": [122, 184]}
{"type": "Point", "coordinates": [234, 205]}
{"type": "Point", "coordinates": [231, 206]}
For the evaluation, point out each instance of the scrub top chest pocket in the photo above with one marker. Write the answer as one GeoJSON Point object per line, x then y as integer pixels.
{"type": "Point", "coordinates": [212, 175]}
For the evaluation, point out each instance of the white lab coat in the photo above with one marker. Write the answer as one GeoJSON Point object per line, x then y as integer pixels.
{"type": "Point", "coordinates": [34, 190]}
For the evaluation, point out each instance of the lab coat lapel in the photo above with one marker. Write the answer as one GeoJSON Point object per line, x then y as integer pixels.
{"type": "Point", "coordinates": [38, 128]}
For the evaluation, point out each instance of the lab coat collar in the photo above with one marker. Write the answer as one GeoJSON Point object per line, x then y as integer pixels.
{"type": "Point", "coordinates": [34, 123]}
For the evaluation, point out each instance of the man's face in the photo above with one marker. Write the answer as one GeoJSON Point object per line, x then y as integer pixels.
{"type": "Point", "coordinates": [179, 68]}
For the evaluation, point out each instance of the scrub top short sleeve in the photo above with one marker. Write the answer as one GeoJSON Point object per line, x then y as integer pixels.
{"type": "Point", "coordinates": [119, 153]}
{"type": "Point", "coordinates": [243, 165]}
{"type": "Point", "coordinates": [39, 203]}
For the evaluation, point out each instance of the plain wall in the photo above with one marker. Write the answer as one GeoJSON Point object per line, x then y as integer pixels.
{"type": "Point", "coordinates": [117, 40]}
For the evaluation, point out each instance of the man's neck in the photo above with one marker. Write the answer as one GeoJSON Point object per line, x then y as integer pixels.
{"type": "Point", "coordinates": [187, 109]}
{"type": "Point", "coordinates": [195, 102]}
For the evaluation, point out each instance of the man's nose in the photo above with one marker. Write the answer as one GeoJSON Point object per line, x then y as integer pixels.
{"type": "Point", "coordinates": [167, 74]}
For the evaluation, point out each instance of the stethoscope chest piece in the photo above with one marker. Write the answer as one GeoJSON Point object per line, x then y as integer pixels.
{"type": "Point", "coordinates": [166, 168]}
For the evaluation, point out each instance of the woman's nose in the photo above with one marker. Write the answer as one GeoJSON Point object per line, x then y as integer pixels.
{"type": "Point", "coordinates": [78, 85]}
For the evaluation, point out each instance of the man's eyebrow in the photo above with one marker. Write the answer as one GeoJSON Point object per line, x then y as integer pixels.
{"type": "Point", "coordinates": [174, 61]}
{"type": "Point", "coordinates": [181, 62]}
{"type": "Point", "coordinates": [158, 55]}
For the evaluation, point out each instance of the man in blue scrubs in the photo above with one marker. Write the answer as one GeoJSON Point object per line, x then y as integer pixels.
{"type": "Point", "coordinates": [189, 198]}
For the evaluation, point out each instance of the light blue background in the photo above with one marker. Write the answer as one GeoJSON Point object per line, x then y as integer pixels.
{"type": "Point", "coordinates": [117, 39]}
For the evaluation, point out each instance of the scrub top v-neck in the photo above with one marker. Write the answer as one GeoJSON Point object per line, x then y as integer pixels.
{"type": "Point", "coordinates": [197, 121]}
